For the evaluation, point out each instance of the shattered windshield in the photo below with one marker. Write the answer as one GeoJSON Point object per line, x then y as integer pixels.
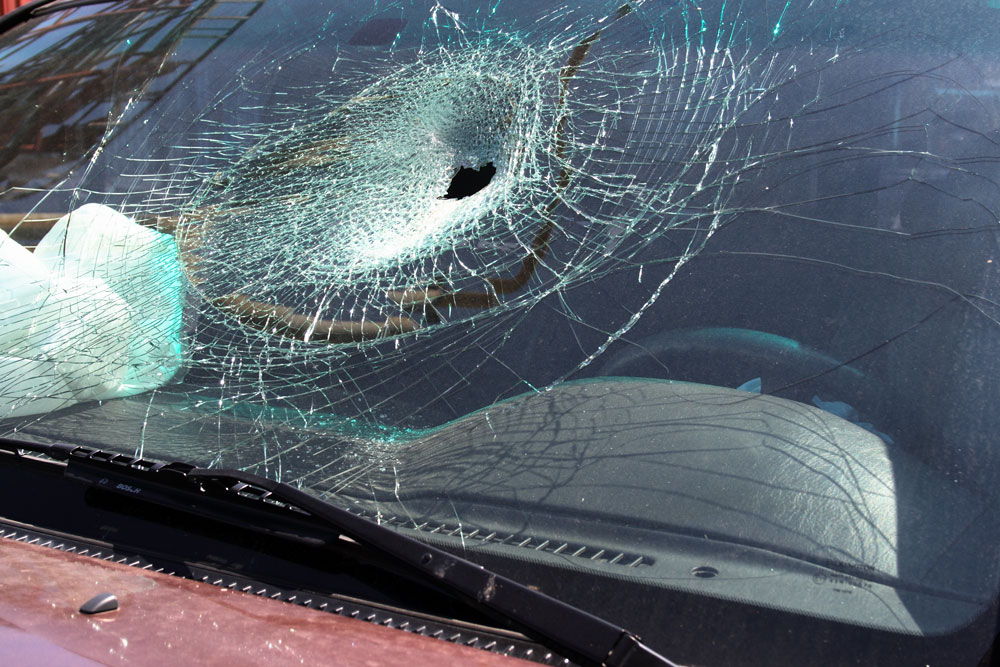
{"type": "Point", "coordinates": [696, 297]}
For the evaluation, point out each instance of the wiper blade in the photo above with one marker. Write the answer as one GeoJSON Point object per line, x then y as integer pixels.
{"type": "Point", "coordinates": [574, 633]}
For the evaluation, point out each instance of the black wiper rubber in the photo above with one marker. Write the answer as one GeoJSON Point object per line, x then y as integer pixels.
{"type": "Point", "coordinates": [574, 633]}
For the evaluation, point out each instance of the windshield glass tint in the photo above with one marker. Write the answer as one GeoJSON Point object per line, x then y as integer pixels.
{"type": "Point", "coordinates": [697, 300]}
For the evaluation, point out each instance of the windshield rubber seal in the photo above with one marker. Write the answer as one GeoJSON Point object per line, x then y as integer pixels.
{"type": "Point", "coordinates": [25, 13]}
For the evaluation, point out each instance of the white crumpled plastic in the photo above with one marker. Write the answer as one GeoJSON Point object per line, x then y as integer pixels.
{"type": "Point", "coordinates": [94, 313]}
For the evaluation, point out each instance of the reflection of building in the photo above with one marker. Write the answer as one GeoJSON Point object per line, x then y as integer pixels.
{"type": "Point", "coordinates": [9, 5]}
{"type": "Point", "coordinates": [105, 55]}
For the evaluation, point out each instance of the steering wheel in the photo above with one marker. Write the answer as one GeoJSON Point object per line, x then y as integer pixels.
{"type": "Point", "coordinates": [734, 357]}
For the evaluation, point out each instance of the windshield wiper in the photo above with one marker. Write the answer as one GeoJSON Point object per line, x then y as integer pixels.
{"type": "Point", "coordinates": [574, 633]}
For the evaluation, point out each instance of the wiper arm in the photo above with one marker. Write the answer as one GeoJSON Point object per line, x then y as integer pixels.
{"type": "Point", "coordinates": [574, 633]}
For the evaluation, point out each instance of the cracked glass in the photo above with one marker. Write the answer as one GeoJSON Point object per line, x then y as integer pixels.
{"type": "Point", "coordinates": [697, 300]}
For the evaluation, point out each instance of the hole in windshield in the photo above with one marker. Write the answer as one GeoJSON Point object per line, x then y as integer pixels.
{"type": "Point", "coordinates": [467, 181]}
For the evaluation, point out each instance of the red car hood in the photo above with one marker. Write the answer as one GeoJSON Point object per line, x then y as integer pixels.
{"type": "Point", "coordinates": [164, 619]}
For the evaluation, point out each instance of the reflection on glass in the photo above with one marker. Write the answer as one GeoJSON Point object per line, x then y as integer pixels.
{"type": "Point", "coordinates": [633, 289]}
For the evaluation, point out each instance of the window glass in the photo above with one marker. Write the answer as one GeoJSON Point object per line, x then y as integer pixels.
{"type": "Point", "coordinates": [697, 301]}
